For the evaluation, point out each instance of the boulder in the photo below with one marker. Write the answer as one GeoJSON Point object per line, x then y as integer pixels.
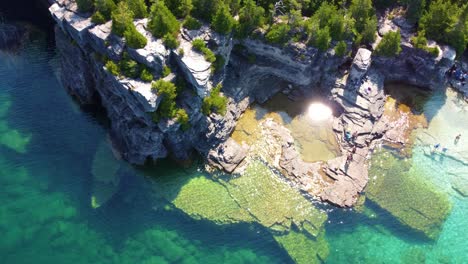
{"type": "Point", "coordinates": [228, 155]}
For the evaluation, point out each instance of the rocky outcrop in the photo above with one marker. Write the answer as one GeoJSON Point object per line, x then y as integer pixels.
{"type": "Point", "coordinates": [129, 103]}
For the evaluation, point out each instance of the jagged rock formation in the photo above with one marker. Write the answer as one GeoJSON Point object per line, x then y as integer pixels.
{"type": "Point", "coordinates": [129, 102]}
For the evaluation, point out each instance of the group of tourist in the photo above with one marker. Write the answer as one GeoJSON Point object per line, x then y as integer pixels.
{"type": "Point", "coordinates": [444, 149]}
{"type": "Point", "coordinates": [457, 74]}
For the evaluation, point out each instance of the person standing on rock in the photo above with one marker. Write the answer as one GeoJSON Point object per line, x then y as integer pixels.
{"type": "Point", "coordinates": [457, 138]}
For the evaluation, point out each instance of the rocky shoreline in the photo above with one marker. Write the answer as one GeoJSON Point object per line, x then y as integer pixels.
{"type": "Point", "coordinates": [129, 102]}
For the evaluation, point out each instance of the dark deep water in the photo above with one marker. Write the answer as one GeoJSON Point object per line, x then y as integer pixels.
{"type": "Point", "coordinates": [47, 148]}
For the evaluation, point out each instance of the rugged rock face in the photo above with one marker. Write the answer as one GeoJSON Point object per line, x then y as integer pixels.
{"type": "Point", "coordinates": [130, 102]}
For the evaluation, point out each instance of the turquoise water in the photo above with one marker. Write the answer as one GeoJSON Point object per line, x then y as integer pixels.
{"type": "Point", "coordinates": [47, 148]}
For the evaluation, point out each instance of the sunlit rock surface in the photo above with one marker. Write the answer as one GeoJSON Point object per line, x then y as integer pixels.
{"type": "Point", "coordinates": [396, 188]}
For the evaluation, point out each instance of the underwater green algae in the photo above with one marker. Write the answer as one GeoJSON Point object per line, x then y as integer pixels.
{"type": "Point", "coordinates": [274, 203]}
{"type": "Point", "coordinates": [256, 196]}
{"type": "Point", "coordinates": [10, 138]}
{"type": "Point", "coordinates": [398, 189]}
{"type": "Point", "coordinates": [304, 249]}
{"type": "Point", "coordinates": [203, 198]}
{"type": "Point", "coordinates": [166, 246]}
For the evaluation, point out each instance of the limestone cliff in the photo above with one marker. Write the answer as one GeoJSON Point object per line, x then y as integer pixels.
{"type": "Point", "coordinates": [254, 71]}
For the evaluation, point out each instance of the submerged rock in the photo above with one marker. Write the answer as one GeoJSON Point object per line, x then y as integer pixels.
{"type": "Point", "coordinates": [256, 196]}
{"type": "Point", "coordinates": [10, 138]}
{"type": "Point", "coordinates": [105, 177]}
{"type": "Point", "coordinates": [202, 198]}
{"type": "Point", "coordinates": [396, 188]}
{"type": "Point", "coordinates": [303, 249]}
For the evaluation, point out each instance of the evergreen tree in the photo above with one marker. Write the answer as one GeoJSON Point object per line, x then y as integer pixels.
{"type": "Point", "coordinates": [368, 33]}
{"type": "Point", "coordinates": [414, 9]}
{"type": "Point", "coordinates": [122, 18]}
{"type": "Point", "coordinates": [138, 8]}
{"type": "Point", "coordinates": [162, 21]}
{"type": "Point", "coordinates": [439, 20]}
{"type": "Point", "coordinates": [168, 91]}
{"type": "Point", "coordinates": [390, 44]}
{"type": "Point", "coordinates": [362, 12]}
{"type": "Point", "coordinates": [322, 39]}
{"type": "Point", "coordinates": [105, 8]}
{"type": "Point", "coordinates": [134, 38]}
{"type": "Point", "coordinates": [85, 5]}
{"type": "Point", "coordinates": [222, 21]}
{"type": "Point", "coordinates": [341, 48]}
{"type": "Point", "coordinates": [278, 34]}
{"type": "Point", "coordinates": [251, 16]}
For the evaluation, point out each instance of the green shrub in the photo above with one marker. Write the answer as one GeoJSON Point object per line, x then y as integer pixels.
{"type": "Point", "coordinates": [122, 19]}
{"type": "Point", "coordinates": [166, 71]}
{"type": "Point", "coordinates": [162, 21]}
{"type": "Point", "coordinates": [98, 18]}
{"type": "Point", "coordinates": [390, 44]}
{"type": "Point", "coordinates": [146, 75]}
{"type": "Point", "coordinates": [368, 34]}
{"type": "Point", "coordinates": [105, 8]}
{"type": "Point", "coordinates": [218, 64]}
{"type": "Point", "coordinates": [85, 5]}
{"type": "Point", "coordinates": [215, 102]}
{"type": "Point", "coordinates": [138, 7]}
{"type": "Point", "coordinates": [341, 49]}
{"type": "Point", "coordinates": [129, 68]}
{"type": "Point", "coordinates": [167, 90]}
{"type": "Point", "coordinates": [420, 42]}
{"type": "Point", "coordinates": [322, 39]}
{"type": "Point", "coordinates": [361, 11]}
{"type": "Point", "coordinates": [135, 39]}
{"type": "Point", "coordinates": [191, 23]}
{"type": "Point", "coordinates": [181, 52]}
{"type": "Point", "coordinates": [200, 45]}
{"type": "Point", "coordinates": [183, 118]}
{"type": "Point", "coordinates": [222, 20]}
{"type": "Point", "coordinates": [278, 34]}
{"type": "Point", "coordinates": [170, 41]}
{"type": "Point", "coordinates": [112, 68]}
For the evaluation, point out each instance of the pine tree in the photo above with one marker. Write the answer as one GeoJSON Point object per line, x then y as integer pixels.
{"type": "Point", "coordinates": [390, 44]}
{"type": "Point", "coordinates": [122, 18]}
{"type": "Point", "coordinates": [138, 8]}
{"type": "Point", "coordinates": [222, 21]}
{"type": "Point", "coordinates": [162, 21]}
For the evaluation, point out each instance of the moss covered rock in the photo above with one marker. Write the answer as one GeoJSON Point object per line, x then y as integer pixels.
{"type": "Point", "coordinates": [397, 188]}
{"type": "Point", "coordinates": [203, 198]}
{"type": "Point", "coordinates": [304, 249]}
{"type": "Point", "coordinates": [274, 203]}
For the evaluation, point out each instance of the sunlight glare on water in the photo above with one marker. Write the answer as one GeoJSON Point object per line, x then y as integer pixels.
{"type": "Point", "coordinates": [319, 112]}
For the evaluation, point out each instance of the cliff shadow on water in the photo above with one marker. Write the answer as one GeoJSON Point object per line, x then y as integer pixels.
{"type": "Point", "coordinates": [414, 99]}
{"type": "Point", "coordinates": [32, 12]}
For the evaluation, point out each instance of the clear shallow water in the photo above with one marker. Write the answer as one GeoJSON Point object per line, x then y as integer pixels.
{"type": "Point", "coordinates": [47, 147]}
